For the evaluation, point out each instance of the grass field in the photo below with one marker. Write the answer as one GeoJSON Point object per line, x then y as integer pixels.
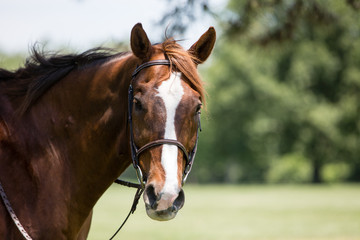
{"type": "Point", "coordinates": [286, 212]}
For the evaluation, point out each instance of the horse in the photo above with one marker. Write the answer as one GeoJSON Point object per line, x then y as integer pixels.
{"type": "Point", "coordinates": [70, 124]}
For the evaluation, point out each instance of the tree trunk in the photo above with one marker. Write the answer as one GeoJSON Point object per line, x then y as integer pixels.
{"type": "Point", "coordinates": [316, 171]}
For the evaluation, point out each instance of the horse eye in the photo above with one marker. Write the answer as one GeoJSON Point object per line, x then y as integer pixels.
{"type": "Point", "coordinates": [138, 105]}
{"type": "Point", "coordinates": [198, 108]}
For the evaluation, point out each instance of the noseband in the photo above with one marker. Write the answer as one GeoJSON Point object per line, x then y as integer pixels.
{"type": "Point", "coordinates": [135, 151]}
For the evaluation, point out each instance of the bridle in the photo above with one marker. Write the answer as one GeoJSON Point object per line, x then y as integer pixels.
{"type": "Point", "coordinates": [135, 151]}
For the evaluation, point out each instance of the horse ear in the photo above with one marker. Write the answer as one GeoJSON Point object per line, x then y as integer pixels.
{"type": "Point", "coordinates": [202, 48]}
{"type": "Point", "coordinates": [140, 44]}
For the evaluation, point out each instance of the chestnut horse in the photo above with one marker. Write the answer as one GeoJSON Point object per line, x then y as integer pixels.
{"type": "Point", "coordinates": [65, 132]}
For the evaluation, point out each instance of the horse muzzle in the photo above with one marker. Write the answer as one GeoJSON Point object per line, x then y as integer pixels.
{"type": "Point", "coordinates": [162, 206]}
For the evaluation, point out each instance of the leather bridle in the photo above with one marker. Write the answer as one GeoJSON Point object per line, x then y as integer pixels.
{"type": "Point", "coordinates": [135, 151]}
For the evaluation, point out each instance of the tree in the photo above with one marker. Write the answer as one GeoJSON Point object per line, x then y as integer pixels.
{"type": "Point", "coordinates": [285, 85]}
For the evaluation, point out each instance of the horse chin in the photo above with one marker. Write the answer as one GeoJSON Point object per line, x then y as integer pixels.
{"type": "Point", "coordinates": [163, 215]}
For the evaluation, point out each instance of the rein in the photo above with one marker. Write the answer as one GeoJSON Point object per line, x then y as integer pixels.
{"type": "Point", "coordinates": [5, 199]}
{"type": "Point", "coordinates": [137, 196]}
{"type": "Point", "coordinates": [12, 214]}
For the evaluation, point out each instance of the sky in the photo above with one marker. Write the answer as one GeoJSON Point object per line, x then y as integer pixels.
{"type": "Point", "coordinates": [83, 24]}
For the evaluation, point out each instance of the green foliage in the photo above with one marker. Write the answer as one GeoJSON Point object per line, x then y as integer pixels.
{"type": "Point", "coordinates": [292, 168]}
{"type": "Point", "coordinates": [336, 172]}
{"type": "Point", "coordinates": [284, 112]}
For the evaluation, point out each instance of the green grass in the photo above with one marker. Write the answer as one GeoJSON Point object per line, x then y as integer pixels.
{"type": "Point", "coordinates": [330, 212]}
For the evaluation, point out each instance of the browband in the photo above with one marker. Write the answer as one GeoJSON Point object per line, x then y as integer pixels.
{"type": "Point", "coordinates": [149, 64]}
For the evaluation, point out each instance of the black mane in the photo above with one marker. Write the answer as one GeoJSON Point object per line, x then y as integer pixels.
{"type": "Point", "coordinates": [42, 70]}
{"type": "Point", "coordinates": [40, 63]}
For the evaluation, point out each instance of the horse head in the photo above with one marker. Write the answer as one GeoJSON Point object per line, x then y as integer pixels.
{"type": "Point", "coordinates": [165, 98]}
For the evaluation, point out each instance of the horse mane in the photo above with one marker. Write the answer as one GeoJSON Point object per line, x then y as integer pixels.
{"type": "Point", "coordinates": [184, 62]}
{"type": "Point", "coordinates": [42, 70]}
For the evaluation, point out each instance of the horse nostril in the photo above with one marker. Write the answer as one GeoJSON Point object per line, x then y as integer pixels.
{"type": "Point", "coordinates": [150, 192]}
{"type": "Point", "coordinates": [179, 201]}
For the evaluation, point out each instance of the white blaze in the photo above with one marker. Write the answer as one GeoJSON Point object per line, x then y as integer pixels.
{"type": "Point", "coordinates": [171, 92]}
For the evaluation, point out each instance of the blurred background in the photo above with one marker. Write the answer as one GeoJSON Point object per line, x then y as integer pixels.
{"type": "Point", "coordinates": [281, 127]}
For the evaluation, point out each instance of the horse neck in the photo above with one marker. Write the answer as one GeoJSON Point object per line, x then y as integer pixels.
{"type": "Point", "coordinates": [77, 132]}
